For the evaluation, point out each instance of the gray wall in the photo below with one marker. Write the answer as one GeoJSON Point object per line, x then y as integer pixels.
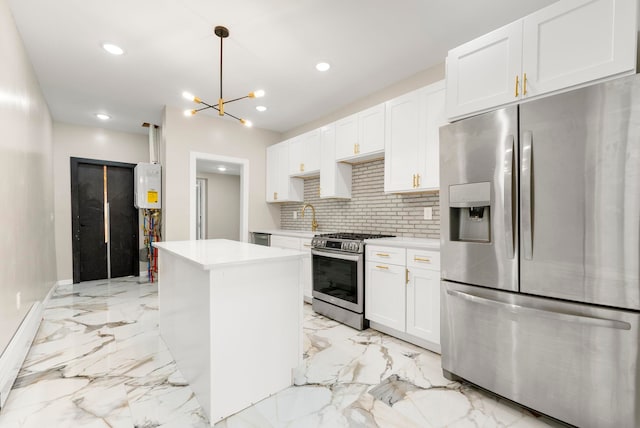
{"type": "Point", "coordinates": [210, 134]}
{"type": "Point", "coordinates": [27, 238]}
{"type": "Point", "coordinates": [369, 210]}
{"type": "Point", "coordinates": [223, 206]}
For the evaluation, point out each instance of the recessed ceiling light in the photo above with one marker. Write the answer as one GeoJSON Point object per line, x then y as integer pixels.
{"type": "Point", "coordinates": [261, 108]}
{"type": "Point", "coordinates": [112, 49]}
{"type": "Point", "coordinates": [323, 66]}
{"type": "Point", "coordinates": [222, 168]}
{"type": "Point", "coordinates": [103, 116]}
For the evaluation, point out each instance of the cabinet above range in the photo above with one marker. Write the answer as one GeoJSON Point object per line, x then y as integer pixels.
{"type": "Point", "coordinates": [404, 130]}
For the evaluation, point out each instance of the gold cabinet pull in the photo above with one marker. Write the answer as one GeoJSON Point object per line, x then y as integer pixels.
{"type": "Point", "coordinates": [421, 259]}
{"type": "Point", "coordinates": [517, 84]}
{"type": "Point", "coordinates": [524, 84]}
{"type": "Point", "coordinates": [355, 149]}
{"type": "Point", "coordinates": [275, 196]}
{"type": "Point", "coordinates": [382, 267]}
{"type": "Point", "coordinates": [307, 245]}
{"type": "Point", "coordinates": [417, 180]}
{"type": "Point", "coordinates": [382, 255]}
{"type": "Point", "coordinates": [414, 181]}
{"type": "Point", "coordinates": [301, 167]}
{"type": "Point", "coordinates": [407, 275]}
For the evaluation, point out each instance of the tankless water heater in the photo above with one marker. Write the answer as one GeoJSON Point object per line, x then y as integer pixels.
{"type": "Point", "coordinates": [147, 187]}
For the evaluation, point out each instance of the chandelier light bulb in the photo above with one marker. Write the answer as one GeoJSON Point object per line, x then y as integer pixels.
{"type": "Point", "coordinates": [189, 113]}
{"type": "Point", "coordinates": [188, 96]}
{"type": "Point", "coordinates": [246, 123]}
{"type": "Point", "coordinates": [257, 94]}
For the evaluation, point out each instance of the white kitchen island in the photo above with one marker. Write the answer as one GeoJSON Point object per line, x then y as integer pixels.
{"type": "Point", "coordinates": [231, 315]}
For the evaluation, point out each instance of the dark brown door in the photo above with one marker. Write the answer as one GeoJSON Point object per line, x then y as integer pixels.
{"type": "Point", "coordinates": [102, 194]}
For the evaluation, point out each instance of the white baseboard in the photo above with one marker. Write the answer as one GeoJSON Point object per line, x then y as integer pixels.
{"type": "Point", "coordinates": [64, 282]}
{"type": "Point", "coordinates": [14, 354]}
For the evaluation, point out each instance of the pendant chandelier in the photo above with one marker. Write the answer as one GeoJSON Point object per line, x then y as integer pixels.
{"type": "Point", "coordinates": [222, 33]}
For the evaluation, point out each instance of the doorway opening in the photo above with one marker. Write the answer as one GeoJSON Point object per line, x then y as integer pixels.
{"type": "Point", "coordinates": [232, 205]}
{"type": "Point", "coordinates": [104, 220]}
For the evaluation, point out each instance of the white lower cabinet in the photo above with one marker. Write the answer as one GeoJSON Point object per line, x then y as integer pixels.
{"type": "Point", "coordinates": [402, 298]}
{"type": "Point", "coordinates": [385, 294]}
{"type": "Point", "coordinates": [306, 278]}
{"type": "Point", "coordinates": [304, 245]}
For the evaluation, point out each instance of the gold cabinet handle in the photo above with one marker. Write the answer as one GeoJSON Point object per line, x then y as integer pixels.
{"type": "Point", "coordinates": [307, 245]}
{"type": "Point", "coordinates": [524, 84]}
{"type": "Point", "coordinates": [382, 255]}
{"type": "Point", "coordinates": [301, 167]}
{"type": "Point", "coordinates": [407, 275]}
{"type": "Point", "coordinates": [517, 84]}
{"type": "Point", "coordinates": [417, 180]}
{"type": "Point", "coordinates": [355, 149]}
{"type": "Point", "coordinates": [275, 196]}
{"type": "Point", "coordinates": [383, 267]}
{"type": "Point", "coordinates": [414, 181]}
{"type": "Point", "coordinates": [421, 259]}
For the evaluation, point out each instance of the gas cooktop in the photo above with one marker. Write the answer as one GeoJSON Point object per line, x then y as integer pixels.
{"type": "Point", "coordinates": [345, 241]}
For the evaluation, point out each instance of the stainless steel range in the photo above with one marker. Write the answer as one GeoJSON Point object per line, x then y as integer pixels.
{"type": "Point", "coordinates": [338, 276]}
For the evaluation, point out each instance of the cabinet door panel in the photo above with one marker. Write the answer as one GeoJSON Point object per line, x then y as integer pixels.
{"type": "Point", "coordinates": [429, 178]}
{"type": "Point", "coordinates": [371, 129]}
{"type": "Point", "coordinates": [385, 294]}
{"type": "Point", "coordinates": [335, 178]}
{"type": "Point", "coordinates": [346, 137]}
{"type": "Point", "coordinates": [401, 160]}
{"type": "Point", "coordinates": [573, 42]}
{"type": "Point", "coordinates": [481, 73]}
{"type": "Point", "coordinates": [272, 172]}
{"type": "Point", "coordinates": [423, 304]}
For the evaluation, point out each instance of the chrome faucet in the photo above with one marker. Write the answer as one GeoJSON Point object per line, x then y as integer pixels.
{"type": "Point", "coordinates": [314, 223]}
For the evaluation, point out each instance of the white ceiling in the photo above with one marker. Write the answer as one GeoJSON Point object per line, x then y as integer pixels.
{"type": "Point", "coordinates": [274, 45]}
{"type": "Point", "coordinates": [212, 167]}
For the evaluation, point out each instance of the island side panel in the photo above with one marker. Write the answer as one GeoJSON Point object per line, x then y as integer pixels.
{"type": "Point", "coordinates": [183, 303]}
{"type": "Point", "coordinates": [257, 314]}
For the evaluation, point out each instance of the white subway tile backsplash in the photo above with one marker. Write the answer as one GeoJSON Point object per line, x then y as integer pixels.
{"type": "Point", "coordinates": [369, 210]}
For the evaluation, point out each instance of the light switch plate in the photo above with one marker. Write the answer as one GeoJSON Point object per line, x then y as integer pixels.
{"type": "Point", "coordinates": [428, 213]}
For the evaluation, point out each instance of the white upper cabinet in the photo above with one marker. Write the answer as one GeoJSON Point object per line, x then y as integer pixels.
{"type": "Point", "coordinates": [304, 154]}
{"type": "Point", "coordinates": [335, 178]}
{"type": "Point", "coordinates": [572, 42]}
{"type": "Point", "coordinates": [481, 73]}
{"type": "Point", "coordinates": [567, 44]}
{"type": "Point", "coordinates": [360, 136]}
{"type": "Point", "coordinates": [279, 186]}
{"type": "Point", "coordinates": [412, 140]}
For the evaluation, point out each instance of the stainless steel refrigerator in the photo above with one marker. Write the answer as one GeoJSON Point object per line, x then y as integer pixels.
{"type": "Point", "coordinates": [540, 234]}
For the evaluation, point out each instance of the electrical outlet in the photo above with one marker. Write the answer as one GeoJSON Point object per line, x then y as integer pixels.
{"type": "Point", "coordinates": [428, 213]}
{"type": "Point", "coordinates": [295, 215]}
{"type": "Point", "coordinates": [18, 300]}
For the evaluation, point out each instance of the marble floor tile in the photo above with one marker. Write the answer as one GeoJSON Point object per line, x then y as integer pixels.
{"type": "Point", "coordinates": [98, 361]}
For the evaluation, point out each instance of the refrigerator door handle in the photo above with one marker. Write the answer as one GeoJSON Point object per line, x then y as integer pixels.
{"type": "Point", "coordinates": [508, 195]}
{"type": "Point", "coordinates": [549, 314]}
{"type": "Point", "coordinates": [525, 195]}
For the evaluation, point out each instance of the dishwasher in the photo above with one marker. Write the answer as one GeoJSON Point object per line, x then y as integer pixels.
{"type": "Point", "coordinates": [261, 238]}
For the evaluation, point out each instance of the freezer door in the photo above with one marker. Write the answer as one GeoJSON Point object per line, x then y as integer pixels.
{"type": "Point", "coordinates": [572, 361]}
{"type": "Point", "coordinates": [580, 195]}
{"type": "Point", "coordinates": [478, 182]}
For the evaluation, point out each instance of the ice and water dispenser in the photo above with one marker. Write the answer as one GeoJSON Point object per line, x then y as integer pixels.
{"type": "Point", "coordinates": [470, 212]}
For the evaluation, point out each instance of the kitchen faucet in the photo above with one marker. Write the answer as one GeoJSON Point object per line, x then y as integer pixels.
{"type": "Point", "coordinates": [314, 223]}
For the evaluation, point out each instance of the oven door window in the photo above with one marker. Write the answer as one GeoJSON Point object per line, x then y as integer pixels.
{"type": "Point", "coordinates": [336, 278]}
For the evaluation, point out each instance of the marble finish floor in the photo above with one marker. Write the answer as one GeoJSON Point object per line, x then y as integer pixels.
{"type": "Point", "coordinates": [98, 361]}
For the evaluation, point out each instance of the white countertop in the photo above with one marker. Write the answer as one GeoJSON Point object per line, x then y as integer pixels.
{"type": "Point", "coordinates": [212, 253]}
{"type": "Point", "coordinates": [407, 242]}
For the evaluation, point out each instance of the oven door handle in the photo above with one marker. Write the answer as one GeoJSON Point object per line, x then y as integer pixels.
{"type": "Point", "coordinates": [335, 255]}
